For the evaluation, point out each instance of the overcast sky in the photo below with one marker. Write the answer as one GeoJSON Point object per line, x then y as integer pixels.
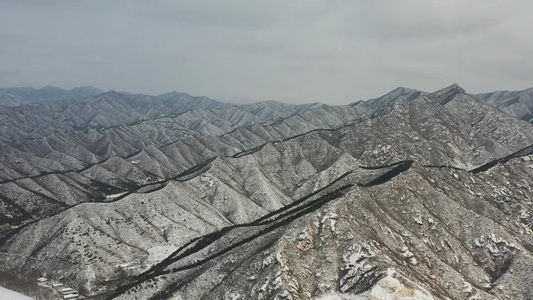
{"type": "Point", "coordinates": [245, 51]}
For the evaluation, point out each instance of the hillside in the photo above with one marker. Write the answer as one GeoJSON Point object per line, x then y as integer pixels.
{"type": "Point", "coordinates": [412, 194]}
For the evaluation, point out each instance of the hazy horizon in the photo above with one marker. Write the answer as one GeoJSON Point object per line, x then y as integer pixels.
{"type": "Point", "coordinates": [238, 51]}
{"type": "Point", "coordinates": [260, 100]}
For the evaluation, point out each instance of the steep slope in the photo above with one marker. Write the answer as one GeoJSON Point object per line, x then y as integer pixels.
{"type": "Point", "coordinates": [383, 104]}
{"type": "Point", "coordinates": [426, 233]}
{"type": "Point", "coordinates": [517, 104]}
{"type": "Point", "coordinates": [103, 111]}
{"type": "Point", "coordinates": [423, 130]}
{"type": "Point", "coordinates": [70, 151]}
{"type": "Point", "coordinates": [124, 227]}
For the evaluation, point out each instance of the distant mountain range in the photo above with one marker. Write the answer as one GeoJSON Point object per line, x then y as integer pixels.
{"type": "Point", "coordinates": [515, 103]}
{"type": "Point", "coordinates": [413, 194]}
{"type": "Point", "coordinates": [518, 104]}
{"type": "Point", "coordinates": [31, 96]}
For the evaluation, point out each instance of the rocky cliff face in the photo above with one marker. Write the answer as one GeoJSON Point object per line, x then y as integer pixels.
{"type": "Point", "coordinates": [411, 195]}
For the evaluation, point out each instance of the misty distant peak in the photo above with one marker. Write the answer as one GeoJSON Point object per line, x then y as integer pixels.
{"type": "Point", "coordinates": [453, 88]}
{"type": "Point", "coordinates": [32, 96]}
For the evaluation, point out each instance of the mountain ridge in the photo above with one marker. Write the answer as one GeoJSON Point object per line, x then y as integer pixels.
{"type": "Point", "coordinates": [32, 96]}
{"type": "Point", "coordinates": [428, 193]}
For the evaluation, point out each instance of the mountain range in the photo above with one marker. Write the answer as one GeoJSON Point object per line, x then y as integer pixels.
{"type": "Point", "coordinates": [31, 96]}
{"type": "Point", "coordinates": [412, 195]}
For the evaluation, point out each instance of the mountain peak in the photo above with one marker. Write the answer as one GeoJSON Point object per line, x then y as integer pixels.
{"type": "Point", "coordinates": [49, 87]}
{"type": "Point", "coordinates": [455, 88]}
{"type": "Point", "coordinates": [111, 93]}
{"type": "Point", "coordinates": [87, 88]}
{"type": "Point", "coordinates": [401, 89]}
{"type": "Point", "coordinates": [447, 94]}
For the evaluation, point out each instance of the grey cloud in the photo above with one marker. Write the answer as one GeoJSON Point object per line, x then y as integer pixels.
{"type": "Point", "coordinates": [418, 20]}
{"type": "Point", "coordinates": [222, 14]}
{"type": "Point", "coordinates": [5, 75]}
{"type": "Point", "coordinates": [295, 51]}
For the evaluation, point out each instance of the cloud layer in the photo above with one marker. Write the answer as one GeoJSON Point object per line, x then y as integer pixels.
{"type": "Point", "coordinates": [244, 51]}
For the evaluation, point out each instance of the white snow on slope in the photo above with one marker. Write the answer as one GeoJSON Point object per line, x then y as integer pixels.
{"type": "Point", "coordinates": [388, 288]}
{"type": "Point", "coordinates": [6, 294]}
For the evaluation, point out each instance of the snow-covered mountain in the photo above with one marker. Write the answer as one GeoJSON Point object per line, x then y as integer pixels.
{"type": "Point", "coordinates": [412, 194]}
{"type": "Point", "coordinates": [518, 104]}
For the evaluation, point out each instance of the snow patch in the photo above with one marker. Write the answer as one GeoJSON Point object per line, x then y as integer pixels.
{"type": "Point", "coordinates": [114, 196]}
{"type": "Point", "coordinates": [12, 295]}
{"type": "Point", "coordinates": [157, 254]}
{"type": "Point", "coordinates": [388, 288]}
